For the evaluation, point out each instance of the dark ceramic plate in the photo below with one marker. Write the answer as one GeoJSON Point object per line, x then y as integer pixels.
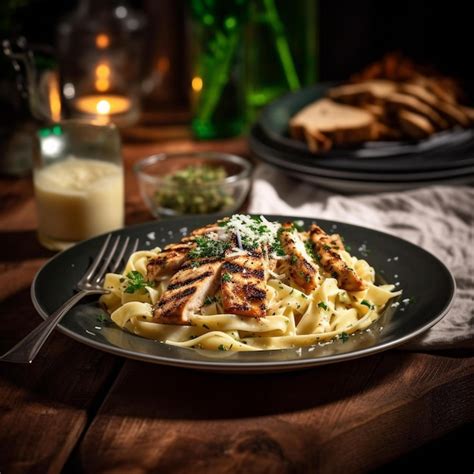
{"type": "Point", "coordinates": [269, 153]}
{"type": "Point", "coordinates": [423, 278]}
{"type": "Point", "coordinates": [444, 150]}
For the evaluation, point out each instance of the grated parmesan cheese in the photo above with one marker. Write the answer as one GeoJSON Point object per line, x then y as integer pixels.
{"type": "Point", "coordinates": [259, 231]}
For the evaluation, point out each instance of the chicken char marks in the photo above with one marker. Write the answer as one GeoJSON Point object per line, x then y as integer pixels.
{"type": "Point", "coordinates": [243, 284]}
{"type": "Point", "coordinates": [303, 271]}
{"type": "Point", "coordinates": [327, 248]}
{"type": "Point", "coordinates": [187, 291]}
{"type": "Point", "coordinates": [170, 260]}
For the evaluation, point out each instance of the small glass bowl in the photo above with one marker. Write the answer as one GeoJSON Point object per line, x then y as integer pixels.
{"type": "Point", "coordinates": [178, 184]}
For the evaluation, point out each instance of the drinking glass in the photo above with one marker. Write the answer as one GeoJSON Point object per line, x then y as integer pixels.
{"type": "Point", "coordinates": [78, 182]}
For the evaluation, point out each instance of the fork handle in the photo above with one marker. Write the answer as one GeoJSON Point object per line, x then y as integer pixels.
{"type": "Point", "coordinates": [26, 350]}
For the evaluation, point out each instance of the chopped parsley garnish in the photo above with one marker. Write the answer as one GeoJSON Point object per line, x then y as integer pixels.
{"type": "Point", "coordinates": [344, 337]}
{"type": "Point", "coordinates": [298, 225]}
{"type": "Point", "coordinates": [226, 277]}
{"type": "Point", "coordinates": [326, 247]}
{"type": "Point", "coordinates": [276, 246]}
{"type": "Point", "coordinates": [195, 190]}
{"type": "Point", "coordinates": [101, 318]}
{"type": "Point", "coordinates": [209, 300]}
{"type": "Point", "coordinates": [368, 304]}
{"type": "Point", "coordinates": [222, 347]}
{"type": "Point", "coordinates": [136, 282]}
{"type": "Point", "coordinates": [310, 250]}
{"type": "Point", "coordinates": [323, 305]}
{"type": "Point", "coordinates": [293, 259]}
{"type": "Point", "coordinates": [207, 247]}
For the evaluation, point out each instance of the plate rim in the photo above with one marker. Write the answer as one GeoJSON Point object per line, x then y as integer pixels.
{"type": "Point", "coordinates": [221, 365]}
{"type": "Point", "coordinates": [264, 150]}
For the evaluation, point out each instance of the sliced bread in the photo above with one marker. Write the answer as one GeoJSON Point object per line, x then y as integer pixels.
{"type": "Point", "coordinates": [398, 100]}
{"type": "Point", "coordinates": [369, 92]}
{"type": "Point", "coordinates": [414, 125]}
{"type": "Point", "coordinates": [325, 122]}
{"type": "Point", "coordinates": [453, 113]}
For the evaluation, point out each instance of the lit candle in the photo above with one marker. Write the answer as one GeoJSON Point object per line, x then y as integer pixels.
{"type": "Point", "coordinates": [103, 105]}
{"type": "Point", "coordinates": [54, 97]}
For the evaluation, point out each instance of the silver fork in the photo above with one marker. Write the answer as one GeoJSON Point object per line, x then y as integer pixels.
{"type": "Point", "coordinates": [91, 283]}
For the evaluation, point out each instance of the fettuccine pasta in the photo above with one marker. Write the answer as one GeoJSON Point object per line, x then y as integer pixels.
{"type": "Point", "coordinates": [294, 316]}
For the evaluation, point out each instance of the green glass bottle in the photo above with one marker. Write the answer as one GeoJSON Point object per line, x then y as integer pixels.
{"type": "Point", "coordinates": [217, 83]}
{"type": "Point", "coordinates": [281, 49]}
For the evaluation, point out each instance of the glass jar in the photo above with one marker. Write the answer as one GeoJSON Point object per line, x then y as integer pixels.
{"type": "Point", "coordinates": [217, 85]}
{"type": "Point", "coordinates": [100, 48]}
{"type": "Point", "coordinates": [78, 182]}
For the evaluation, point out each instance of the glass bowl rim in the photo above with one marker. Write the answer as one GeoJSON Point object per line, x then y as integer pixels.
{"type": "Point", "coordinates": [139, 168]}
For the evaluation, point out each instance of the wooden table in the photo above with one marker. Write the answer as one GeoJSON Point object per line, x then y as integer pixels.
{"type": "Point", "coordinates": [76, 409]}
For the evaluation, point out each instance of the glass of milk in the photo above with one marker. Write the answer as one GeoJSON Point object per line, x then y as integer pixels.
{"type": "Point", "coordinates": [78, 182]}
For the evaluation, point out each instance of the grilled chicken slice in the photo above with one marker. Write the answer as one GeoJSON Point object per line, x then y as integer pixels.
{"type": "Point", "coordinates": [187, 291]}
{"type": "Point", "coordinates": [168, 261]}
{"type": "Point", "coordinates": [303, 271]}
{"type": "Point", "coordinates": [336, 242]}
{"type": "Point", "coordinates": [200, 232]}
{"type": "Point", "coordinates": [332, 262]}
{"type": "Point", "coordinates": [243, 284]}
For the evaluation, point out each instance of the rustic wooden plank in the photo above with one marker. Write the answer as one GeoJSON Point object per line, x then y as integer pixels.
{"type": "Point", "coordinates": [43, 406]}
{"type": "Point", "coordinates": [349, 417]}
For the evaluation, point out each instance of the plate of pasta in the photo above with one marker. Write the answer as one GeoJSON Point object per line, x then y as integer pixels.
{"type": "Point", "coordinates": [251, 293]}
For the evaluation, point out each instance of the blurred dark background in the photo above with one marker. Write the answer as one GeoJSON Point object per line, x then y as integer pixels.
{"type": "Point", "coordinates": [351, 34]}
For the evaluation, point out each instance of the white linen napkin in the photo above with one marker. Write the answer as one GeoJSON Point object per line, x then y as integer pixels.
{"type": "Point", "coordinates": [440, 219]}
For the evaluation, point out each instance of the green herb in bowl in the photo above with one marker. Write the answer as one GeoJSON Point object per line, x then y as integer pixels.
{"type": "Point", "coordinates": [195, 190]}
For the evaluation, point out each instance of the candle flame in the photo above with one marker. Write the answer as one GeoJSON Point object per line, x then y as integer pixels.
{"type": "Point", "coordinates": [102, 74]}
{"type": "Point", "coordinates": [196, 84]}
{"type": "Point", "coordinates": [54, 98]}
{"type": "Point", "coordinates": [102, 41]}
{"type": "Point", "coordinates": [103, 107]}
{"type": "Point", "coordinates": [102, 84]}
{"type": "Point", "coordinates": [102, 70]}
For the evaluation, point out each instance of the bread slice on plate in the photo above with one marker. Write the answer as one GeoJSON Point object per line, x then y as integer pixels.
{"type": "Point", "coordinates": [377, 110]}
{"type": "Point", "coordinates": [454, 114]}
{"type": "Point", "coordinates": [398, 101]}
{"type": "Point", "coordinates": [368, 92]}
{"type": "Point", "coordinates": [414, 125]}
{"type": "Point", "coordinates": [325, 123]}
{"type": "Point", "coordinates": [444, 90]}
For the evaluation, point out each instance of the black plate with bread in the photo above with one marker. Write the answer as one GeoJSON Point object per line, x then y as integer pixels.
{"type": "Point", "coordinates": [392, 122]}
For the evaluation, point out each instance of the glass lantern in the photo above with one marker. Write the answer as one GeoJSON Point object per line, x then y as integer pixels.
{"type": "Point", "coordinates": [100, 48]}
